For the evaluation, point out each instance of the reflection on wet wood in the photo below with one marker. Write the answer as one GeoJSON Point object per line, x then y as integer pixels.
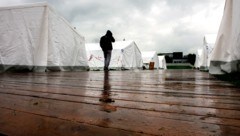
{"type": "Point", "coordinates": [183, 102]}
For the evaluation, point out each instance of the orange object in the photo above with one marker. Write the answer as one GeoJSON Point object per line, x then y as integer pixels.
{"type": "Point", "coordinates": [151, 66]}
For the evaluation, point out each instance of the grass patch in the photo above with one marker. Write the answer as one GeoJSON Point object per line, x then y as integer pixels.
{"type": "Point", "coordinates": [179, 66]}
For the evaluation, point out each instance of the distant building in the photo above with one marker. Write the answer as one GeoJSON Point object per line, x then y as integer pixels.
{"type": "Point", "coordinates": [178, 57]}
{"type": "Point", "coordinates": [175, 57]}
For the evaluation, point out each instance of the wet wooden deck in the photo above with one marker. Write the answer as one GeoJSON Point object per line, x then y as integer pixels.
{"type": "Point", "coordinates": [118, 103]}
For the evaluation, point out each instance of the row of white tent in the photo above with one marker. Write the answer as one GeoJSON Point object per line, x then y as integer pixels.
{"type": "Point", "coordinates": [125, 55]}
{"type": "Point", "coordinates": [221, 53]}
{"type": "Point", "coordinates": [34, 37]}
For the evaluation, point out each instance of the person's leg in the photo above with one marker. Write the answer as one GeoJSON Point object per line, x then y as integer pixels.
{"type": "Point", "coordinates": [109, 54]}
{"type": "Point", "coordinates": [105, 59]}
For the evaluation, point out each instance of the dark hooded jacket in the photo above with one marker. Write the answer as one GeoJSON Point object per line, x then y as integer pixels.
{"type": "Point", "coordinates": [106, 41]}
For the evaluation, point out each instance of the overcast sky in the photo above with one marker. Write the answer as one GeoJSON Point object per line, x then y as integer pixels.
{"type": "Point", "coordinates": [160, 25]}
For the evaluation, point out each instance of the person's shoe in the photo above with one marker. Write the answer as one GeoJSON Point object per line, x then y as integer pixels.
{"type": "Point", "coordinates": [106, 69]}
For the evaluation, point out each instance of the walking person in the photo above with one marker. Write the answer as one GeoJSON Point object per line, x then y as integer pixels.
{"type": "Point", "coordinates": [106, 45]}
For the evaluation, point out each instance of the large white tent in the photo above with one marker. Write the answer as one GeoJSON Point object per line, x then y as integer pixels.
{"type": "Point", "coordinates": [226, 54]}
{"type": "Point", "coordinates": [208, 46]}
{"type": "Point", "coordinates": [34, 37]}
{"type": "Point", "coordinates": [162, 62]}
{"type": "Point", "coordinates": [125, 55]}
{"type": "Point", "coordinates": [150, 56]}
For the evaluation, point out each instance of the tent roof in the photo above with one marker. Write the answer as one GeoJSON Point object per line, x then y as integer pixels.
{"type": "Point", "coordinates": [39, 4]}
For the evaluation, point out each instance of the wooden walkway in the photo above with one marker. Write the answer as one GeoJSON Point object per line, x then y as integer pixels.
{"type": "Point", "coordinates": [118, 103]}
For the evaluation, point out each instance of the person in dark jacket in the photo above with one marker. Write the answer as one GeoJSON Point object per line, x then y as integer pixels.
{"type": "Point", "coordinates": [106, 45]}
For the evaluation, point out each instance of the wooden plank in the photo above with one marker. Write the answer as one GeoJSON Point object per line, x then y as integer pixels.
{"type": "Point", "coordinates": [200, 112]}
{"type": "Point", "coordinates": [218, 102]}
{"type": "Point", "coordinates": [133, 86]}
{"type": "Point", "coordinates": [166, 93]}
{"type": "Point", "coordinates": [115, 85]}
{"type": "Point", "coordinates": [27, 124]}
{"type": "Point", "coordinates": [125, 119]}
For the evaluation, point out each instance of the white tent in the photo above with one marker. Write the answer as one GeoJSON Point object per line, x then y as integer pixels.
{"type": "Point", "coordinates": [34, 37]}
{"type": "Point", "coordinates": [199, 58]}
{"type": "Point", "coordinates": [226, 54]}
{"type": "Point", "coordinates": [162, 62]}
{"type": "Point", "coordinates": [150, 56]}
{"type": "Point", "coordinates": [208, 46]}
{"type": "Point", "coordinates": [125, 55]}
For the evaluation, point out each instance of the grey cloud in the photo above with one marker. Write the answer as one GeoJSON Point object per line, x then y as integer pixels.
{"type": "Point", "coordinates": [186, 4]}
